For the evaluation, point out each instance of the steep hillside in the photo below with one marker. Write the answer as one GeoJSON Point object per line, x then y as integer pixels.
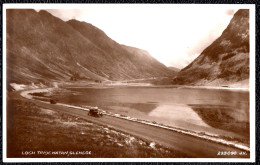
{"type": "Point", "coordinates": [225, 61]}
{"type": "Point", "coordinates": [151, 65]}
{"type": "Point", "coordinates": [43, 48]}
{"type": "Point", "coordinates": [131, 62]}
{"type": "Point", "coordinates": [174, 69]}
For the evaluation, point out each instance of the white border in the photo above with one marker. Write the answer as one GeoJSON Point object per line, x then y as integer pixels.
{"type": "Point", "coordinates": [82, 6]}
{"type": "Point", "coordinates": [252, 82]}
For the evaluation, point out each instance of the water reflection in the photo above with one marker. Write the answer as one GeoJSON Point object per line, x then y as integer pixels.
{"type": "Point", "coordinates": [225, 121]}
{"type": "Point", "coordinates": [220, 112]}
{"type": "Point", "coordinates": [141, 107]}
{"type": "Point", "coordinates": [224, 117]}
{"type": "Point", "coordinates": [177, 114]}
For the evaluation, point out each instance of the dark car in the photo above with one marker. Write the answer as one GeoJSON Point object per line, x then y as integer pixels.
{"type": "Point", "coordinates": [53, 101]}
{"type": "Point", "coordinates": [94, 111]}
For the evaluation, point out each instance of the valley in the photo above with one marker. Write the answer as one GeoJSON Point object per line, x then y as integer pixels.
{"type": "Point", "coordinates": [57, 70]}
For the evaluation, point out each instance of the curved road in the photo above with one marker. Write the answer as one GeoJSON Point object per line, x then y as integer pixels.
{"type": "Point", "coordinates": [190, 145]}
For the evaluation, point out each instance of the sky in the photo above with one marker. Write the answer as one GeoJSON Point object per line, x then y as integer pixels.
{"type": "Point", "coordinates": [174, 34]}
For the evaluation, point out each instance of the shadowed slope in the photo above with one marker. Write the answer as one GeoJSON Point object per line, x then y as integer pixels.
{"type": "Point", "coordinates": [41, 47]}
{"type": "Point", "coordinates": [226, 60]}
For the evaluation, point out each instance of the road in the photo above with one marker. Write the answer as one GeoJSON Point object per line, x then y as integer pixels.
{"type": "Point", "coordinates": [190, 145]}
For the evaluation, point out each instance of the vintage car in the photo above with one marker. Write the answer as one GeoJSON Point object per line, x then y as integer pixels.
{"type": "Point", "coordinates": [94, 111]}
{"type": "Point", "coordinates": [52, 101]}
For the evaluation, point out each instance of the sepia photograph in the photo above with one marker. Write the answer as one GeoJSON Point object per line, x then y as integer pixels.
{"type": "Point", "coordinates": [128, 82]}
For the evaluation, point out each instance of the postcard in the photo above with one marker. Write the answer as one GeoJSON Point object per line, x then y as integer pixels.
{"type": "Point", "coordinates": [129, 82]}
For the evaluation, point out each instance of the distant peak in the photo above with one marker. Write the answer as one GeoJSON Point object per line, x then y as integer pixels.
{"type": "Point", "coordinates": [242, 12]}
{"type": "Point", "coordinates": [72, 20]}
{"type": "Point", "coordinates": [44, 12]}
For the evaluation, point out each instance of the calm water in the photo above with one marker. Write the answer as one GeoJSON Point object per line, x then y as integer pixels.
{"type": "Point", "coordinates": [220, 112]}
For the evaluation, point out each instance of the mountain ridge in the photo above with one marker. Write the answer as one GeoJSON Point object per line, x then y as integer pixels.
{"type": "Point", "coordinates": [42, 48]}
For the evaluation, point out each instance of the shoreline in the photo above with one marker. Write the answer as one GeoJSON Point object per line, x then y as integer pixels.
{"type": "Point", "coordinates": [218, 87]}
{"type": "Point", "coordinates": [205, 136]}
{"type": "Point", "coordinates": [21, 87]}
{"type": "Point", "coordinates": [150, 85]}
{"type": "Point", "coordinates": [164, 86]}
{"type": "Point", "coordinates": [42, 124]}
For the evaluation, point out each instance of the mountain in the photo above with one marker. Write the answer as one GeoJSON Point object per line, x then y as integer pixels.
{"type": "Point", "coordinates": [140, 62]}
{"type": "Point", "coordinates": [43, 48]}
{"type": "Point", "coordinates": [225, 61]}
{"type": "Point", "coordinates": [174, 69]}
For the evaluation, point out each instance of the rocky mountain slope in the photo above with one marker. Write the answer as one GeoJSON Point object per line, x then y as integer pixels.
{"type": "Point", "coordinates": [41, 47]}
{"type": "Point", "coordinates": [225, 61]}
